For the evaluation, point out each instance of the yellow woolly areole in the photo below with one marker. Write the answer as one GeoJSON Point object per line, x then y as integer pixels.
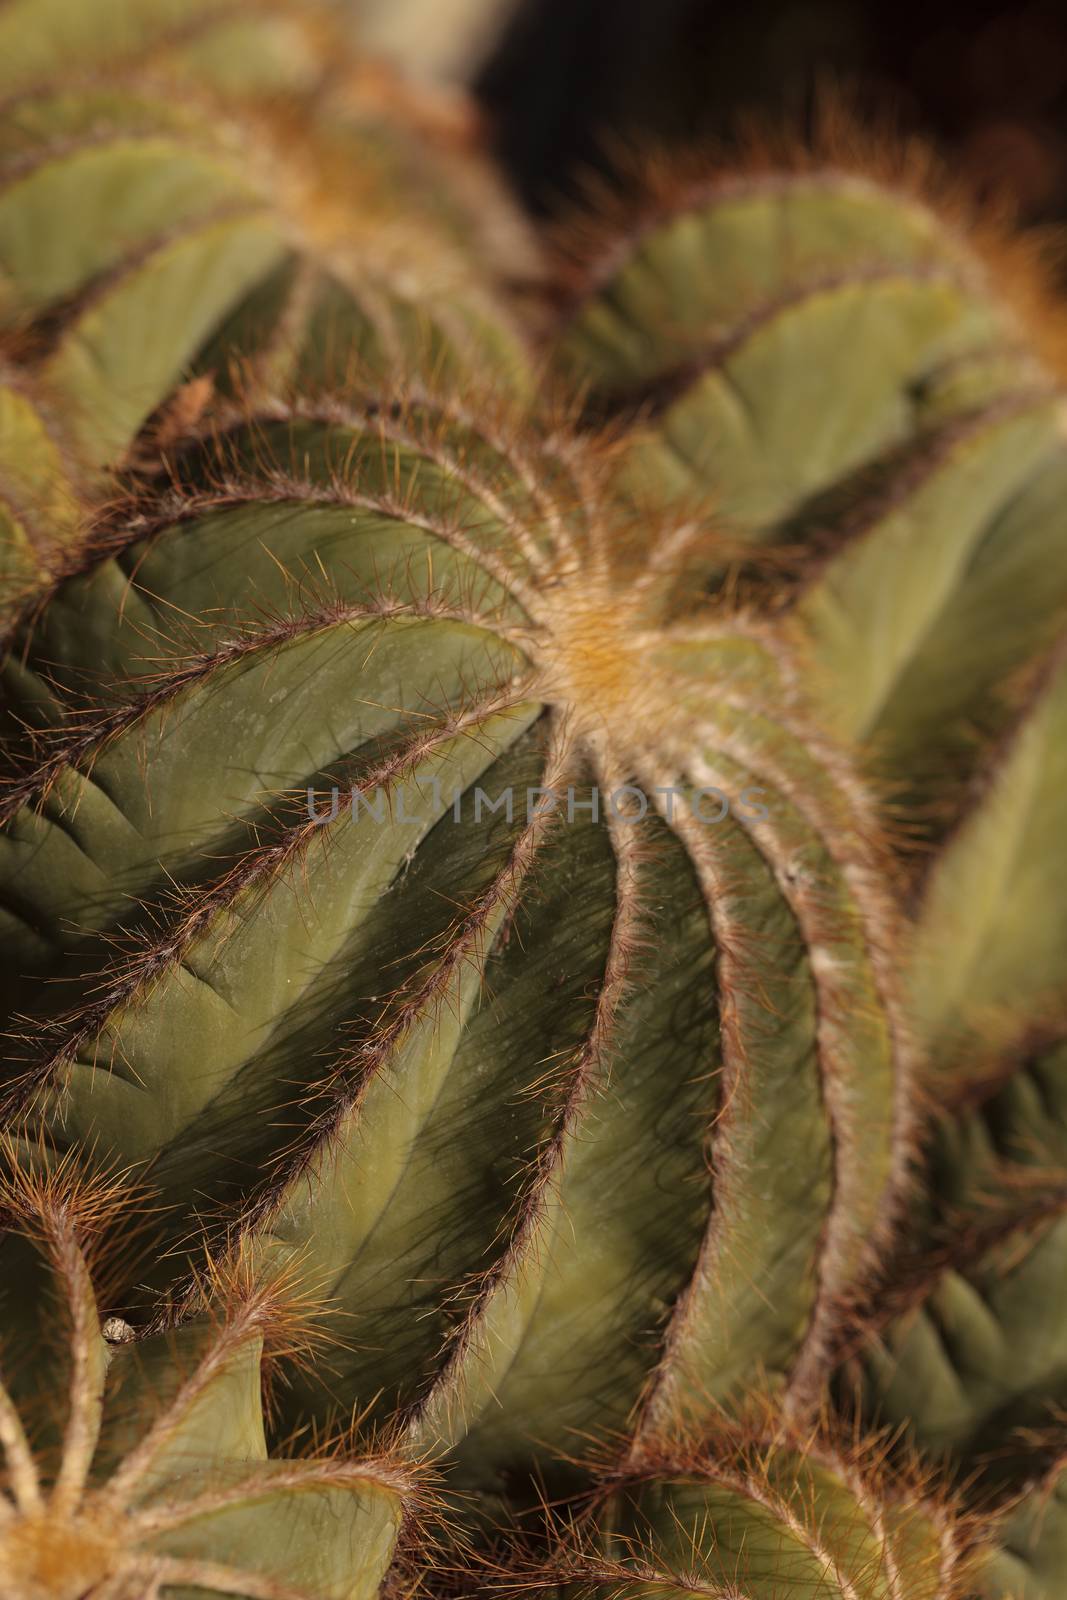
{"type": "Point", "coordinates": [142, 1468]}
{"type": "Point", "coordinates": [592, 658]}
{"type": "Point", "coordinates": [50, 1557]}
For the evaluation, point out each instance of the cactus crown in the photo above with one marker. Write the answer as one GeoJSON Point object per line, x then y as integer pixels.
{"type": "Point", "coordinates": [138, 1465]}
{"type": "Point", "coordinates": [494, 623]}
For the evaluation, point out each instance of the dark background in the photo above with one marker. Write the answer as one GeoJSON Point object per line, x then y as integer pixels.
{"type": "Point", "coordinates": [987, 84]}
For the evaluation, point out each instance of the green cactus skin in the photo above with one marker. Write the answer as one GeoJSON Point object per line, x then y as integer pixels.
{"type": "Point", "coordinates": [139, 1468]}
{"type": "Point", "coordinates": [767, 1517]}
{"type": "Point", "coordinates": [982, 977]}
{"type": "Point", "coordinates": [1031, 1556]}
{"type": "Point", "coordinates": [190, 232]}
{"type": "Point", "coordinates": [148, 238]}
{"type": "Point", "coordinates": [216, 222]}
{"type": "Point", "coordinates": [40, 506]}
{"type": "Point", "coordinates": [997, 1138]}
{"type": "Point", "coordinates": [967, 1350]}
{"type": "Point", "coordinates": [967, 1345]}
{"type": "Point", "coordinates": [845, 376]}
{"type": "Point", "coordinates": [814, 401]}
{"type": "Point", "coordinates": [712, 317]}
{"type": "Point", "coordinates": [425, 145]}
{"type": "Point", "coordinates": [835, 369]}
{"type": "Point", "coordinates": [587, 1120]}
{"type": "Point", "coordinates": [569, 1117]}
{"type": "Point", "coordinates": [977, 1355]}
{"type": "Point", "coordinates": [267, 46]}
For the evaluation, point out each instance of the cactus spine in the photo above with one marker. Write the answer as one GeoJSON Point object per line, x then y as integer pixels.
{"type": "Point", "coordinates": [510, 655]}
{"type": "Point", "coordinates": [140, 1466]}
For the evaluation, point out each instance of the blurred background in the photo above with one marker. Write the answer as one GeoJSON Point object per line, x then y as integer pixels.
{"type": "Point", "coordinates": [987, 82]}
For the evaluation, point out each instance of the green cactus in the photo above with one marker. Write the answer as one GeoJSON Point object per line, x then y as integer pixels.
{"type": "Point", "coordinates": [267, 46]}
{"type": "Point", "coordinates": [456, 861]}
{"type": "Point", "coordinates": [152, 244]}
{"type": "Point", "coordinates": [767, 1514]}
{"type": "Point", "coordinates": [853, 379]}
{"type": "Point", "coordinates": [140, 1466]}
{"type": "Point", "coordinates": [771, 337]}
{"type": "Point", "coordinates": [1031, 1556]}
{"type": "Point", "coordinates": [990, 947]}
{"type": "Point", "coordinates": [496, 996]}
{"type": "Point", "coordinates": [966, 1350]}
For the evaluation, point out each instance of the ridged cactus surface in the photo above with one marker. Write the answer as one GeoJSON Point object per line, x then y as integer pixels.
{"type": "Point", "coordinates": [912, 507]}
{"type": "Point", "coordinates": [852, 380]}
{"type": "Point", "coordinates": [532, 837]}
{"type": "Point", "coordinates": [267, 45]}
{"type": "Point", "coordinates": [137, 1467]}
{"type": "Point", "coordinates": [155, 245]}
{"type": "Point", "coordinates": [402, 838]}
{"type": "Point", "coordinates": [767, 1515]}
{"type": "Point", "coordinates": [966, 1350]}
{"type": "Point", "coordinates": [1030, 1558]}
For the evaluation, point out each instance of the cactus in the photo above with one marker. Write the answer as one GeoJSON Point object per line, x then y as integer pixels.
{"type": "Point", "coordinates": [270, 46]}
{"type": "Point", "coordinates": [457, 866]}
{"type": "Point", "coordinates": [964, 1345]}
{"type": "Point", "coordinates": [150, 243]}
{"type": "Point", "coordinates": [139, 1466]}
{"type": "Point", "coordinates": [860, 376]}
{"type": "Point", "coordinates": [1028, 1561]}
{"type": "Point", "coordinates": [483, 634]}
{"type": "Point", "coordinates": [915, 506]}
{"type": "Point", "coordinates": [764, 1511]}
